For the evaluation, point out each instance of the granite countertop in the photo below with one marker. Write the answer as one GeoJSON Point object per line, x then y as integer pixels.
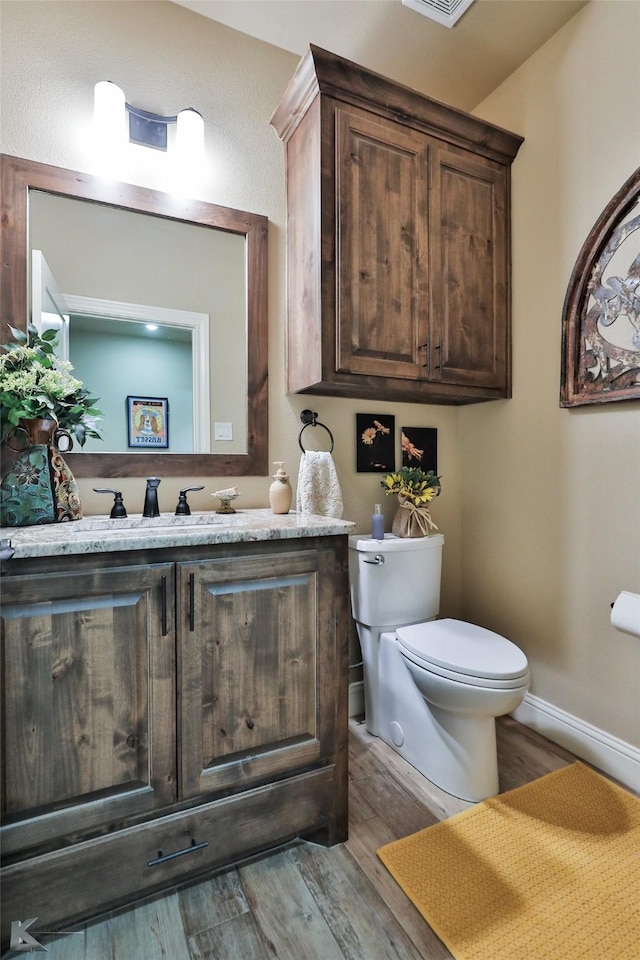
{"type": "Point", "coordinates": [103, 535]}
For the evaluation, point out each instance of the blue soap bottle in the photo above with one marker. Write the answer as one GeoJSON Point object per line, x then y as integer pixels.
{"type": "Point", "coordinates": [377, 523]}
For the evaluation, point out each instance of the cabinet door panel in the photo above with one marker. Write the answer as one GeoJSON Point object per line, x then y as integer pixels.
{"type": "Point", "coordinates": [250, 698]}
{"type": "Point", "coordinates": [80, 652]}
{"type": "Point", "coordinates": [381, 174]}
{"type": "Point", "coordinates": [469, 305]}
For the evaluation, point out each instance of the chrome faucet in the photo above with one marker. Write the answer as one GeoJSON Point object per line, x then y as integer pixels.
{"type": "Point", "coordinates": [151, 508]}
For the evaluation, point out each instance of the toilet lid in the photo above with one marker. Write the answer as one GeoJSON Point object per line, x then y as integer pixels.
{"type": "Point", "coordinates": [464, 648]}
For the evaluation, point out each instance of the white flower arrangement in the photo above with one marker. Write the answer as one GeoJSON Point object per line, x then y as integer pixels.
{"type": "Point", "coordinates": [35, 384]}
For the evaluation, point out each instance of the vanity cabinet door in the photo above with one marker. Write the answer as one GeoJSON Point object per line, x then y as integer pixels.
{"type": "Point", "coordinates": [258, 667]}
{"type": "Point", "coordinates": [88, 676]}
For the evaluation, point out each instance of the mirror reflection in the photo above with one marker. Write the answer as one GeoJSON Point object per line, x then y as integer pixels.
{"type": "Point", "coordinates": [151, 308]}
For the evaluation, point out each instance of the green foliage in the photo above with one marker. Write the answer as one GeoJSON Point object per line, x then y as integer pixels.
{"type": "Point", "coordinates": [35, 384]}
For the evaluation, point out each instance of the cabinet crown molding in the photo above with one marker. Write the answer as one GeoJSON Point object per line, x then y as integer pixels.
{"type": "Point", "coordinates": [322, 72]}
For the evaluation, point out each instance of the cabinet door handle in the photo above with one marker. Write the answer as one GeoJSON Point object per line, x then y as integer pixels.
{"type": "Point", "coordinates": [165, 857]}
{"type": "Point", "coordinates": [439, 348]}
{"type": "Point", "coordinates": [192, 586]}
{"type": "Point", "coordinates": [425, 346]}
{"type": "Point", "coordinates": [164, 606]}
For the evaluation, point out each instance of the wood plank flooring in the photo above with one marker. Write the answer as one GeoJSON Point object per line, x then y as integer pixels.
{"type": "Point", "coordinates": [304, 901]}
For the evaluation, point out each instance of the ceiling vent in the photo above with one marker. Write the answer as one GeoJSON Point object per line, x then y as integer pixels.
{"type": "Point", "coordinates": [446, 12]}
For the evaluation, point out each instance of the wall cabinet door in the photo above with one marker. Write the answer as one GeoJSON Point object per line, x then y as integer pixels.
{"type": "Point", "coordinates": [422, 263]}
{"type": "Point", "coordinates": [469, 271]}
{"type": "Point", "coordinates": [88, 674]}
{"type": "Point", "coordinates": [381, 247]}
{"type": "Point", "coordinates": [257, 667]}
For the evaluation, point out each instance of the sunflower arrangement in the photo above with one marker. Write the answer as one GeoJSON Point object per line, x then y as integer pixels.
{"type": "Point", "coordinates": [415, 489]}
{"type": "Point", "coordinates": [413, 484]}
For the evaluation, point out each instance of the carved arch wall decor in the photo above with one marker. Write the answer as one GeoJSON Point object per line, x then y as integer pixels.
{"type": "Point", "coordinates": [601, 313]}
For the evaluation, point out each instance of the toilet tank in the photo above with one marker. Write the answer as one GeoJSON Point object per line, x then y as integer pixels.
{"type": "Point", "coordinates": [403, 587]}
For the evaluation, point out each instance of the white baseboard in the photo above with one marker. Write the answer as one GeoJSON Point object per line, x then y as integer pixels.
{"type": "Point", "coordinates": [356, 698]}
{"type": "Point", "coordinates": [609, 754]}
{"type": "Point", "coordinates": [606, 752]}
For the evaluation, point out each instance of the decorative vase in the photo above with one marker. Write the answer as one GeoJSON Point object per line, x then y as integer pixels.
{"type": "Point", "coordinates": [280, 492]}
{"type": "Point", "coordinates": [411, 521]}
{"type": "Point", "coordinates": [39, 487]}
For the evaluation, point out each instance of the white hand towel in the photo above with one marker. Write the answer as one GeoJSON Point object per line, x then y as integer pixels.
{"type": "Point", "coordinates": [318, 486]}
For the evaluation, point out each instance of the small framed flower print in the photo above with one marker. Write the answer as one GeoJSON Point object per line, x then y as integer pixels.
{"type": "Point", "coordinates": [375, 443]}
{"type": "Point", "coordinates": [420, 448]}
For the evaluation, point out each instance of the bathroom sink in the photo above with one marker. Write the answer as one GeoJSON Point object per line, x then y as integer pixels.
{"type": "Point", "coordinates": [163, 522]}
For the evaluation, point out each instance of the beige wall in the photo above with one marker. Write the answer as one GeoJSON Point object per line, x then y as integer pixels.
{"type": "Point", "coordinates": [544, 496]}
{"type": "Point", "coordinates": [166, 58]}
{"type": "Point", "coordinates": [550, 505]}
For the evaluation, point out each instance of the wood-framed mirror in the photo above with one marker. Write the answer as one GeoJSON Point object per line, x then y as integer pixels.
{"type": "Point", "coordinates": [23, 181]}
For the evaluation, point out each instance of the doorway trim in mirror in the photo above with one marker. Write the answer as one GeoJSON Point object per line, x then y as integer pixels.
{"type": "Point", "coordinates": [18, 177]}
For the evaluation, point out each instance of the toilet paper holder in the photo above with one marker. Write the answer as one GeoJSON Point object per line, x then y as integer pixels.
{"type": "Point", "coordinates": [625, 613]}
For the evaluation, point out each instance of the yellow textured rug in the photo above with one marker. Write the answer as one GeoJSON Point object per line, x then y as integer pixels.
{"type": "Point", "coordinates": [549, 871]}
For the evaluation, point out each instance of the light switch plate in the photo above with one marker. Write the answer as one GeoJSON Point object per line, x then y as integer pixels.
{"type": "Point", "coordinates": [223, 431]}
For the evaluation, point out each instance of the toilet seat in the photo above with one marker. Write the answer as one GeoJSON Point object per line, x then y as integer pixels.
{"type": "Point", "coordinates": [464, 652]}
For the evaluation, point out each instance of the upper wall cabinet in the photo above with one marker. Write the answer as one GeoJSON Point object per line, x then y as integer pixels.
{"type": "Point", "coordinates": [398, 243]}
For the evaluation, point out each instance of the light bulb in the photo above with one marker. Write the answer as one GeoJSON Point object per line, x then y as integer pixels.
{"type": "Point", "coordinates": [109, 114]}
{"type": "Point", "coordinates": [190, 137]}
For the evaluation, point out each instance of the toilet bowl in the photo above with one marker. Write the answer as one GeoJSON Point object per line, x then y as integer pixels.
{"type": "Point", "coordinates": [433, 688]}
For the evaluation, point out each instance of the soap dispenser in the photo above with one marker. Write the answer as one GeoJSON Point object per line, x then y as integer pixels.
{"type": "Point", "coordinates": [280, 492]}
{"type": "Point", "coordinates": [377, 523]}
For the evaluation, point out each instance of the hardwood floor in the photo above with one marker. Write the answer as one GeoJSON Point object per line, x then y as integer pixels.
{"type": "Point", "coordinates": [304, 901]}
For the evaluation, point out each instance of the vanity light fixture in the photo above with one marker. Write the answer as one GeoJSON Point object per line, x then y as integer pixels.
{"type": "Point", "coordinates": [111, 113]}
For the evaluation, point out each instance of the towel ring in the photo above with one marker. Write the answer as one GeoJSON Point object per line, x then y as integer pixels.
{"type": "Point", "coordinates": [309, 420]}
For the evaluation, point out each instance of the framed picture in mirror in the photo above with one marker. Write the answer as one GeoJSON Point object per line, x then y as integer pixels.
{"type": "Point", "coordinates": [148, 422]}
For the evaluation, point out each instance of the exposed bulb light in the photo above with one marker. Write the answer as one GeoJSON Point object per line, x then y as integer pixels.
{"type": "Point", "coordinates": [109, 115]}
{"type": "Point", "coordinates": [190, 136]}
{"type": "Point", "coordinates": [152, 327]}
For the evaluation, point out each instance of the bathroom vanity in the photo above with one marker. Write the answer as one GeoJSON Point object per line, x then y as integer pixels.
{"type": "Point", "coordinates": [174, 698]}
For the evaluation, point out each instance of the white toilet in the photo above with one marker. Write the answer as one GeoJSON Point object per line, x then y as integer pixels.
{"type": "Point", "coordinates": [433, 688]}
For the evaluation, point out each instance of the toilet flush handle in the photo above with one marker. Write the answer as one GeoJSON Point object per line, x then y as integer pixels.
{"type": "Point", "coordinates": [377, 559]}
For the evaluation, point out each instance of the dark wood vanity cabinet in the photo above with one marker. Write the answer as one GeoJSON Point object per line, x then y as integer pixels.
{"type": "Point", "coordinates": [88, 675]}
{"type": "Point", "coordinates": [254, 688]}
{"type": "Point", "coordinates": [398, 244]}
{"type": "Point", "coordinates": [165, 715]}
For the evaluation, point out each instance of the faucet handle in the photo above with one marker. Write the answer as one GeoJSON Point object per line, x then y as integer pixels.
{"type": "Point", "coordinates": [118, 508]}
{"type": "Point", "coordinates": [183, 509]}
